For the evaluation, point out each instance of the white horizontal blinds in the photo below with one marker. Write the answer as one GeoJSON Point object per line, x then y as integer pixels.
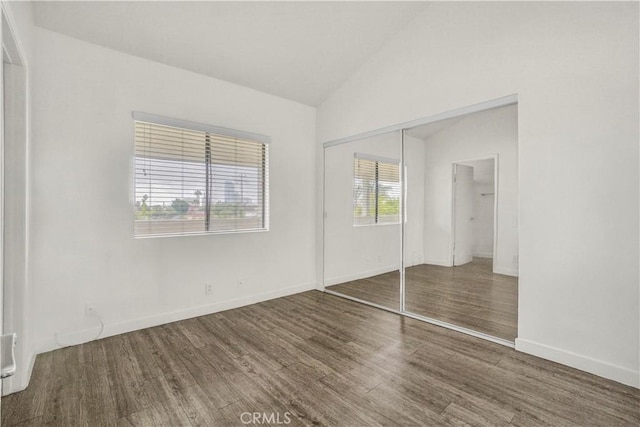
{"type": "Point", "coordinates": [364, 192]}
{"type": "Point", "coordinates": [237, 184]}
{"type": "Point", "coordinates": [388, 193]}
{"type": "Point", "coordinates": [169, 180]}
{"type": "Point", "coordinates": [376, 190]}
{"type": "Point", "coordinates": [192, 181]}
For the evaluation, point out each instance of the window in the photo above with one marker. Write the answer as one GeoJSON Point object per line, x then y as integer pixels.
{"type": "Point", "coordinates": [376, 190]}
{"type": "Point", "coordinates": [192, 178]}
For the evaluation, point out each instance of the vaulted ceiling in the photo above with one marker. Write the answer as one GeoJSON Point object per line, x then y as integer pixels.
{"type": "Point", "coordinates": [297, 50]}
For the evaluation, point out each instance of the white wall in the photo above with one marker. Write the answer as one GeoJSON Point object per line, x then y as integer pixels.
{"type": "Point", "coordinates": [477, 135]}
{"type": "Point", "coordinates": [17, 304]}
{"type": "Point", "coordinates": [574, 66]}
{"type": "Point", "coordinates": [82, 221]}
{"type": "Point", "coordinates": [355, 252]}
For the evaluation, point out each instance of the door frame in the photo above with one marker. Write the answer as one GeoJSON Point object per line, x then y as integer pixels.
{"type": "Point", "coordinates": [496, 186]}
{"type": "Point", "coordinates": [15, 120]}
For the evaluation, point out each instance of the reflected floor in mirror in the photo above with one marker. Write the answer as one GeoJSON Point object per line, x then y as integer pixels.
{"type": "Point", "coordinates": [470, 295]}
{"type": "Point", "coordinates": [383, 289]}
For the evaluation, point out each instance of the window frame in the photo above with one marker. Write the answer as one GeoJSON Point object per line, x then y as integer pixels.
{"type": "Point", "coordinates": [155, 119]}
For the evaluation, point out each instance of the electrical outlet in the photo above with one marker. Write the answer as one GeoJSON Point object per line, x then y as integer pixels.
{"type": "Point", "coordinates": [240, 281]}
{"type": "Point", "coordinates": [515, 259]}
{"type": "Point", "coordinates": [208, 288]}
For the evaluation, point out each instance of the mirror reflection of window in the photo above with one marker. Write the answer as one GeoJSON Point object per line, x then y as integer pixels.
{"type": "Point", "coordinates": [362, 230]}
{"type": "Point", "coordinates": [376, 190]}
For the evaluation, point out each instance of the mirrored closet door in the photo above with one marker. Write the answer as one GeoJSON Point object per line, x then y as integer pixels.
{"type": "Point", "coordinates": [461, 235]}
{"type": "Point", "coordinates": [362, 229]}
{"type": "Point", "coordinates": [424, 220]}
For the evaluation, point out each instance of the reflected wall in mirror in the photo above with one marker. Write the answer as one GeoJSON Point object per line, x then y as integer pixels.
{"type": "Point", "coordinates": [461, 234]}
{"type": "Point", "coordinates": [362, 231]}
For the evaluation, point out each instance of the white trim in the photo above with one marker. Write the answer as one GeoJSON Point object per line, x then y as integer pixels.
{"type": "Point", "coordinates": [403, 222]}
{"type": "Point", "coordinates": [581, 362]}
{"type": "Point", "coordinates": [457, 328]}
{"type": "Point", "coordinates": [26, 378]}
{"type": "Point", "coordinates": [496, 198]}
{"type": "Point", "coordinates": [86, 335]}
{"type": "Point", "coordinates": [322, 249]}
{"type": "Point", "coordinates": [483, 255]}
{"type": "Point", "coordinates": [452, 235]}
{"type": "Point", "coordinates": [13, 386]}
{"type": "Point", "coordinates": [441, 263]}
{"type": "Point", "coordinates": [361, 301]}
{"type": "Point", "coordinates": [4, 385]}
{"type": "Point", "coordinates": [330, 281]}
{"type": "Point", "coordinates": [459, 112]}
{"type": "Point", "coordinates": [15, 61]}
{"type": "Point", "coordinates": [186, 124]}
{"type": "Point", "coordinates": [201, 233]}
{"type": "Point", "coordinates": [505, 271]}
{"type": "Point", "coordinates": [376, 224]}
{"type": "Point", "coordinates": [419, 262]}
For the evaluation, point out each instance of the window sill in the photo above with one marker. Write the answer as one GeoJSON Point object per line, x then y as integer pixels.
{"type": "Point", "coordinates": [376, 225]}
{"type": "Point", "coordinates": [202, 233]}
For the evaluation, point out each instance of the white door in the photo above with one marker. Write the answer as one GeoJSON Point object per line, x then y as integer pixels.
{"type": "Point", "coordinates": [463, 214]}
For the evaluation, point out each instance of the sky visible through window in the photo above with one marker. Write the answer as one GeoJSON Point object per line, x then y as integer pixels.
{"type": "Point", "coordinates": [158, 186]}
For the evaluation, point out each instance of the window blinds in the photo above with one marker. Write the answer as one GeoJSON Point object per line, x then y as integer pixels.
{"type": "Point", "coordinates": [376, 190]}
{"type": "Point", "coordinates": [196, 181]}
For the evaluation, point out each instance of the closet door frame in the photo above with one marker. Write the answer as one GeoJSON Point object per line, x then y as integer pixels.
{"type": "Point", "coordinates": [402, 127]}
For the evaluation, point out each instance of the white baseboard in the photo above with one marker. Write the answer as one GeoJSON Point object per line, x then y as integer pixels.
{"type": "Point", "coordinates": [506, 271]}
{"type": "Point", "coordinates": [86, 335]}
{"type": "Point", "coordinates": [578, 361]}
{"type": "Point", "coordinates": [360, 275]}
{"type": "Point", "coordinates": [438, 262]}
{"type": "Point", "coordinates": [482, 254]}
{"type": "Point", "coordinates": [418, 262]}
{"type": "Point", "coordinates": [20, 382]}
{"type": "Point", "coordinates": [32, 362]}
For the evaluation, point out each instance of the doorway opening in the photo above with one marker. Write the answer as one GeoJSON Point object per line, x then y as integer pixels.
{"type": "Point", "coordinates": [475, 199]}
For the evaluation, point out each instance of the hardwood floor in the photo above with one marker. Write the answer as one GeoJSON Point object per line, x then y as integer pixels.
{"type": "Point", "coordinates": [469, 295]}
{"type": "Point", "coordinates": [322, 359]}
{"type": "Point", "coordinates": [383, 289]}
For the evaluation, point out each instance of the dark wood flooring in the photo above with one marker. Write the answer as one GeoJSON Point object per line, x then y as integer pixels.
{"type": "Point", "coordinates": [324, 360]}
{"type": "Point", "coordinates": [383, 289]}
{"type": "Point", "coordinates": [470, 295]}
